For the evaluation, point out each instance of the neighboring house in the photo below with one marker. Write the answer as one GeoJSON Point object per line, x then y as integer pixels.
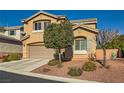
{"type": "Point", "coordinates": [9, 45]}
{"type": "Point", "coordinates": [13, 31]}
{"type": "Point", "coordinates": [85, 33]}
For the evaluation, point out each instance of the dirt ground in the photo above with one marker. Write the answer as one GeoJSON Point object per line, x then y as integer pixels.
{"type": "Point", "coordinates": [115, 73]}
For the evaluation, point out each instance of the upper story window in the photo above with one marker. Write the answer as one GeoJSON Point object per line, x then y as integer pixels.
{"type": "Point", "coordinates": [37, 26]}
{"type": "Point", "coordinates": [12, 32]}
{"type": "Point", "coordinates": [46, 24]}
{"type": "Point", "coordinates": [40, 25]}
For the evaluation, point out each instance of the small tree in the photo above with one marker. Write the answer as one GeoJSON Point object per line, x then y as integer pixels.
{"type": "Point", "coordinates": [104, 38]}
{"type": "Point", "coordinates": [58, 36]}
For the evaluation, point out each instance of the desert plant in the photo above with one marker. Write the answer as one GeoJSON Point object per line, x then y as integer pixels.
{"type": "Point", "coordinates": [91, 57]}
{"type": "Point", "coordinates": [75, 71]}
{"type": "Point", "coordinates": [11, 57]}
{"type": "Point", "coordinates": [104, 38]}
{"type": "Point", "coordinates": [5, 59]}
{"type": "Point", "coordinates": [113, 56]}
{"type": "Point", "coordinates": [53, 62]}
{"type": "Point", "coordinates": [89, 66]}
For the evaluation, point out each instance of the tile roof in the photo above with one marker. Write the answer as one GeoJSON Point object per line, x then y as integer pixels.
{"type": "Point", "coordinates": [12, 28]}
{"type": "Point", "coordinates": [85, 21]}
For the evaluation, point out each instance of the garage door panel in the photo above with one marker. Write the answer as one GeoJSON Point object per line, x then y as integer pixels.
{"type": "Point", "coordinates": [41, 52]}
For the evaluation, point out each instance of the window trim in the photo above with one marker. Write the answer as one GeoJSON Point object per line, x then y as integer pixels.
{"type": "Point", "coordinates": [34, 30]}
{"type": "Point", "coordinates": [80, 51]}
{"type": "Point", "coordinates": [10, 32]}
{"type": "Point", "coordinates": [44, 24]}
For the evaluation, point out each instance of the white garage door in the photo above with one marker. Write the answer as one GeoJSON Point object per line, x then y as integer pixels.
{"type": "Point", "coordinates": [41, 52]}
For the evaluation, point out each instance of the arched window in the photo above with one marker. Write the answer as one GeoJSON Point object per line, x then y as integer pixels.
{"type": "Point", "coordinates": [80, 44]}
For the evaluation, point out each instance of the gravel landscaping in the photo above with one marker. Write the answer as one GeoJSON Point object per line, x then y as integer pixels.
{"type": "Point", "coordinates": [113, 74]}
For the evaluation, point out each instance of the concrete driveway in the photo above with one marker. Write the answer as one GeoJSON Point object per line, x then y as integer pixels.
{"type": "Point", "coordinates": [25, 64]}
{"type": "Point", "coordinates": [14, 72]}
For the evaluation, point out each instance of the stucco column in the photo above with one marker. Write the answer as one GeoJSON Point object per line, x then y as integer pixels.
{"type": "Point", "coordinates": [25, 51]}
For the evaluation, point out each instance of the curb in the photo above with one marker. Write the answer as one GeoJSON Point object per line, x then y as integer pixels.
{"type": "Point", "coordinates": [49, 77]}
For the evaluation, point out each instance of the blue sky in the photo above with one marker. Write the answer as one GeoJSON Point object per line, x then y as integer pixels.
{"type": "Point", "coordinates": [107, 19]}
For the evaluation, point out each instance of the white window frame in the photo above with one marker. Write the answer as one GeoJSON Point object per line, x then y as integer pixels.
{"type": "Point", "coordinates": [47, 24]}
{"type": "Point", "coordinates": [79, 51]}
{"type": "Point", "coordinates": [38, 30]}
{"type": "Point", "coordinates": [14, 32]}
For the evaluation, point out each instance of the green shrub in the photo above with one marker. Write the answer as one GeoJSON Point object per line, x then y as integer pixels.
{"type": "Point", "coordinates": [89, 66]}
{"type": "Point", "coordinates": [53, 62]}
{"type": "Point", "coordinates": [74, 71]}
{"type": "Point", "coordinates": [11, 57]}
{"type": "Point", "coordinates": [113, 56]}
{"type": "Point", "coordinates": [5, 59]}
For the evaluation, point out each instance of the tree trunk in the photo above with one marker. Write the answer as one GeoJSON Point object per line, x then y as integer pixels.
{"type": "Point", "coordinates": [104, 62]}
{"type": "Point", "coordinates": [60, 55]}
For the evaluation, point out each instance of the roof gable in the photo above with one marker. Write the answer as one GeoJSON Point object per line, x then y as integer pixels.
{"type": "Point", "coordinates": [44, 13]}
{"type": "Point", "coordinates": [85, 27]}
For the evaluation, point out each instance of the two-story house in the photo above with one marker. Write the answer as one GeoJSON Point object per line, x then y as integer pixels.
{"type": "Point", "coordinates": [84, 30]}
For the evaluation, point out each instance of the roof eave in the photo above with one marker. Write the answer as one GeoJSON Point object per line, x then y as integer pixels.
{"type": "Point", "coordinates": [93, 30]}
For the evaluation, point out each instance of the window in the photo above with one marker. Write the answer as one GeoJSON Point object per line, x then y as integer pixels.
{"type": "Point", "coordinates": [37, 26]}
{"type": "Point", "coordinates": [80, 44]}
{"type": "Point", "coordinates": [12, 32]}
{"type": "Point", "coordinates": [46, 24]}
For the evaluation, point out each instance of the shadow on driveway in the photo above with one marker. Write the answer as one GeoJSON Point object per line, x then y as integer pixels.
{"type": "Point", "coordinates": [7, 77]}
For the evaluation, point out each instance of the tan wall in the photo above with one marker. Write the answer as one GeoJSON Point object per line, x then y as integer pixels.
{"type": "Point", "coordinates": [29, 27]}
{"type": "Point", "coordinates": [100, 55]}
{"type": "Point", "coordinates": [34, 36]}
{"type": "Point", "coordinates": [11, 48]}
{"type": "Point", "coordinates": [17, 36]}
{"type": "Point", "coordinates": [38, 36]}
{"type": "Point", "coordinates": [91, 41]}
{"type": "Point", "coordinates": [91, 25]}
{"type": "Point", "coordinates": [25, 51]}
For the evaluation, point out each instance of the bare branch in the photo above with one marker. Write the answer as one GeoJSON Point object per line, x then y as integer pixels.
{"type": "Point", "coordinates": [106, 36]}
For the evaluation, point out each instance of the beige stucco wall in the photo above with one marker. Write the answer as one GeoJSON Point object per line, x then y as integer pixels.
{"type": "Point", "coordinates": [91, 25]}
{"type": "Point", "coordinates": [17, 36]}
{"type": "Point", "coordinates": [34, 36]}
{"type": "Point", "coordinates": [91, 41]}
{"type": "Point", "coordinates": [38, 36]}
{"type": "Point", "coordinates": [10, 48]}
{"type": "Point", "coordinates": [29, 28]}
